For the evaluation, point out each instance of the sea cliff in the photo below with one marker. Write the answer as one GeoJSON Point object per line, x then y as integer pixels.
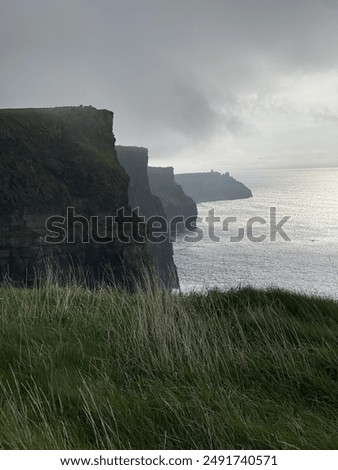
{"type": "Point", "coordinates": [50, 160]}
{"type": "Point", "coordinates": [135, 161]}
{"type": "Point", "coordinates": [173, 198]}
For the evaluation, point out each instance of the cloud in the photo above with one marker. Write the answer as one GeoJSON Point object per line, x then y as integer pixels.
{"type": "Point", "coordinates": [326, 116]}
{"type": "Point", "coordinates": [235, 79]}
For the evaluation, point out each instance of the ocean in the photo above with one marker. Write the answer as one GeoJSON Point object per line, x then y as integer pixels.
{"type": "Point", "coordinates": [307, 262]}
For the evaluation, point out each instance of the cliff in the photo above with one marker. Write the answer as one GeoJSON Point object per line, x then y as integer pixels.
{"type": "Point", "coordinates": [51, 159]}
{"type": "Point", "coordinates": [174, 200]}
{"type": "Point", "coordinates": [135, 161]}
{"type": "Point", "coordinates": [212, 186]}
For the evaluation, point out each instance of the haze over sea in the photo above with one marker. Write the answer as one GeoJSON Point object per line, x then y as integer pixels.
{"type": "Point", "coordinates": [308, 263]}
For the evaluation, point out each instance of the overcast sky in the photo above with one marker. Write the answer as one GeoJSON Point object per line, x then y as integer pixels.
{"type": "Point", "coordinates": [222, 84]}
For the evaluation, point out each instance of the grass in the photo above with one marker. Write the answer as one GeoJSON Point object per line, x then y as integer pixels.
{"type": "Point", "coordinates": [107, 369]}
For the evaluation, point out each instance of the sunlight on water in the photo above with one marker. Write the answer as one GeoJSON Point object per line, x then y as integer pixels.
{"type": "Point", "coordinates": [307, 263]}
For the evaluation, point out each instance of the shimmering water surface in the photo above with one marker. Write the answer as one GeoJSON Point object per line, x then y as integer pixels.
{"type": "Point", "coordinates": [307, 263]}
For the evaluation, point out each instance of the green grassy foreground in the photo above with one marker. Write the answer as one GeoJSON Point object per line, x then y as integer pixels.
{"type": "Point", "coordinates": [108, 369]}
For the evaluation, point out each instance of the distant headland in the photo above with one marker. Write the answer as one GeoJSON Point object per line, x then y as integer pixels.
{"type": "Point", "coordinates": [212, 186]}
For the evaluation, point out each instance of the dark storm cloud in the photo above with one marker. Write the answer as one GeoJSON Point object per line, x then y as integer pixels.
{"type": "Point", "coordinates": [174, 71]}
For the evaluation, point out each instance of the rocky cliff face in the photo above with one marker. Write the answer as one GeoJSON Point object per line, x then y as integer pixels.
{"type": "Point", "coordinates": [135, 161]}
{"type": "Point", "coordinates": [175, 202]}
{"type": "Point", "coordinates": [212, 186]}
{"type": "Point", "coordinates": [51, 159]}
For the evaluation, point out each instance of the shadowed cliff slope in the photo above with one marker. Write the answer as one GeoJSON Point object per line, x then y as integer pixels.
{"type": "Point", "coordinates": [175, 202]}
{"type": "Point", "coordinates": [212, 186]}
{"type": "Point", "coordinates": [51, 159]}
{"type": "Point", "coordinates": [135, 161]}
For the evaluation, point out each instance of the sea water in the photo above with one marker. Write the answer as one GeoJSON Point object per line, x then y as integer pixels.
{"type": "Point", "coordinates": [307, 261]}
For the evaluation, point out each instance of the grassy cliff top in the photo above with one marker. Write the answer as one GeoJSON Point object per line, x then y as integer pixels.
{"type": "Point", "coordinates": [111, 370]}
